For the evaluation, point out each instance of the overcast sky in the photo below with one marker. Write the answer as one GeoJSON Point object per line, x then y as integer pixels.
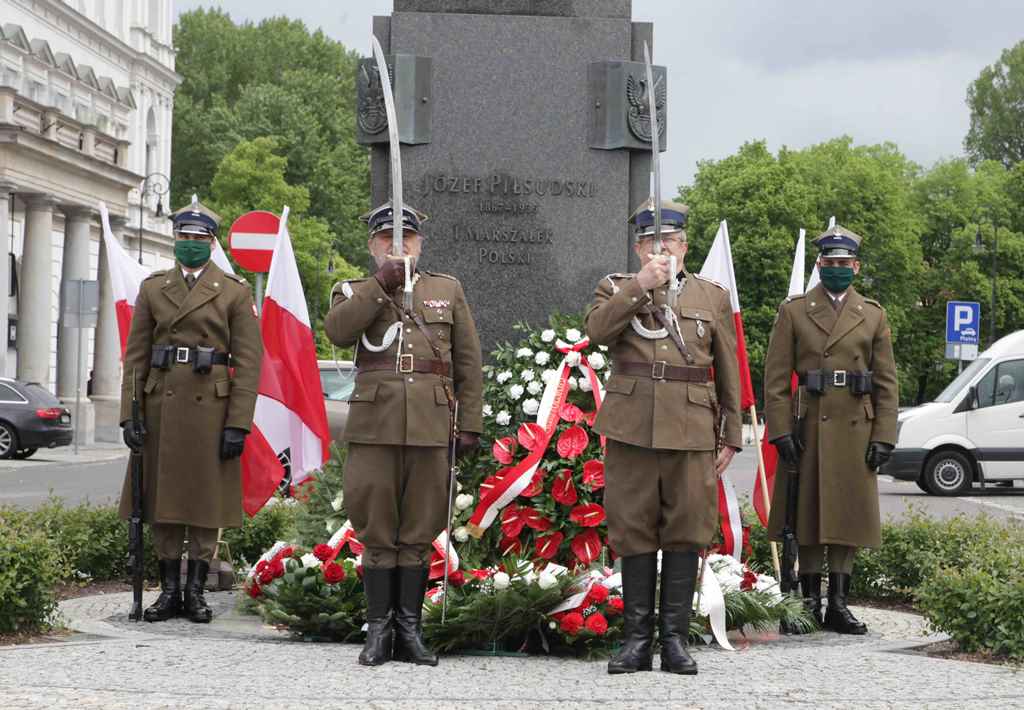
{"type": "Point", "coordinates": [793, 72]}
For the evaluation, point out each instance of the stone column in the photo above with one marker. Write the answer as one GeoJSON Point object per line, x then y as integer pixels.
{"type": "Point", "coordinates": [6, 198]}
{"type": "Point", "coordinates": [35, 316]}
{"type": "Point", "coordinates": [72, 365]}
{"type": "Point", "coordinates": [106, 380]}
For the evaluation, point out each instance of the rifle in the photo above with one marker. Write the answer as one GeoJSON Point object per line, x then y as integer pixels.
{"type": "Point", "coordinates": [789, 580]}
{"type": "Point", "coordinates": [135, 547]}
{"type": "Point", "coordinates": [453, 472]}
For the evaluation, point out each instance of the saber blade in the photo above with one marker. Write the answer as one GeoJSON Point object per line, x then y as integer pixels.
{"type": "Point", "coordinates": [394, 151]}
{"type": "Point", "coordinates": [652, 104]}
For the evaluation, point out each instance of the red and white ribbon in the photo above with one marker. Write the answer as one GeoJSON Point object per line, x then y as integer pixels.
{"type": "Point", "coordinates": [441, 548]}
{"type": "Point", "coordinates": [732, 522]}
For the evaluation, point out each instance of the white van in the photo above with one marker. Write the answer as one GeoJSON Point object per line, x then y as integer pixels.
{"type": "Point", "coordinates": [972, 432]}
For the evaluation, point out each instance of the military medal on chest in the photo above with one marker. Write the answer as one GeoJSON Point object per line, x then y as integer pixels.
{"type": "Point", "coordinates": [700, 328]}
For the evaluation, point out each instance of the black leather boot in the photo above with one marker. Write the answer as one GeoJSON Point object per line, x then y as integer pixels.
{"type": "Point", "coordinates": [168, 604]}
{"type": "Point", "coordinates": [837, 617]}
{"type": "Point", "coordinates": [196, 608]}
{"type": "Point", "coordinates": [639, 577]}
{"type": "Point", "coordinates": [678, 579]}
{"type": "Point", "coordinates": [810, 587]}
{"type": "Point", "coordinates": [409, 646]}
{"type": "Point", "coordinates": [379, 587]}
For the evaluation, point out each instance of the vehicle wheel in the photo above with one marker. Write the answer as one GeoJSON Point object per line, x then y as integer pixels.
{"type": "Point", "coordinates": [24, 453]}
{"type": "Point", "coordinates": [8, 441]}
{"type": "Point", "coordinates": [948, 473]}
{"type": "Point", "coordinates": [921, 484]}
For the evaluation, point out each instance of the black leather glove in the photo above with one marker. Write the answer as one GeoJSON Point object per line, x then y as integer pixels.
{"type": "Point", "coordinates": [877, 454]}
{"type": "Point", "coordinates": [232, 441]}
{"type": "Point", "coordinates": [468, 443]}
{"type": "Point", "coordinates": [391, 275]}
{"type": "Point", "coordinates": [788, 448]}
{"type": "Point", "coordinates": [134, 437]}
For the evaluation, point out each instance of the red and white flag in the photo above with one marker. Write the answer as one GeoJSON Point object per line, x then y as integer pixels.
{"type": "Point", "coordinates": [290, 418]}
{"type": "Point", "coordinates": [126, 275]}
{"type": "Point", "coordinates": [718, 267]}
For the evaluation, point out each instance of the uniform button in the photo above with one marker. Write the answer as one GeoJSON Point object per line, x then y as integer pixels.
{"type": "Point", "coordinates": [356, 396]}
{"type": "Point", "coordinates": [408, 330]}
{"type": "Point", "coordinates": [380, 300]}
{"type": "Point", "coordinates": [664, 347]}
{"type": "Point", "coordinates": [824, 417]}
{"type": "Point", "coordinates": [170, 393]}
{"type": "Point", "coordinates": [174, 330]}
{"type": "Point", "coordinates": [409, 346]}
{"type": "Point", "coordinates": [828, 354]}
{"type": "Point", "coordinates": [634, 299]}
{"type": "Point", "coordinates": [410, 379]}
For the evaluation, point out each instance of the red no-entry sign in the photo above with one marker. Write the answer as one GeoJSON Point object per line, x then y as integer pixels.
{"type": "Point", "coordinates": [252, 239]}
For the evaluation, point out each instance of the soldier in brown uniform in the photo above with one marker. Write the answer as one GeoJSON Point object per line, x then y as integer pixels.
{"type": "Point", "coordinates": [193, 357]}
{"type": "Point", "coordinates": [840, 346]}
{"type": "Point", "coordinates": [412, 369]}
{"type": "Point", "coordinates": [674, 371]}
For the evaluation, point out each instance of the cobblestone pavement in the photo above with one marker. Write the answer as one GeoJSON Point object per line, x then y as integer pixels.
{"type": "Point", "coordinates": [236, 662]}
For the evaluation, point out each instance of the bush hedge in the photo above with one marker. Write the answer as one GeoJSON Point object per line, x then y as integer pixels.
{"type": "Point", "coordinates": [30, 568]}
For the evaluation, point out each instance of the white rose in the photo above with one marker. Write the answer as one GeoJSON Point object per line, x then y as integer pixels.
{"type": "Point", "coordinates": [461, 534]}
{"type": "Point", "coordinates": [487, 410]}
{"type": "Point", "coordinates": [503, 377]}
{"type": "Point", "coordinates": [531, 406]}
{"type": "Point", "coordinates": [332, 524]}
{"type": "Point", "coordinates": [573, 335]}
{"type": "Point", "coordinates": [603, 348]}
{"type": "Point", "coordinates": [527, 375]}
{"type": "Point", "coordinates": [534, 387]}
{"type": "Point", "coordinates": [503, 418]}
{"type": "Point", "coordinates": [573, 358]}
{"type": "Point", "coordinates": [597, 361]}
{"type": "Point", "coordinates": [573, 385]}
{"type": "Point", "coordinates": [549, 376]}
{"type": "Point", "coordinates": [524, 353]}
{"type": "Point", "coordinates": [501, 580]}
{"type": "Point", "coordinates": [516, 391]}
{"type": "Point", "coordinates": [309, 560]}
{"type": "Point", "coordinates": [552, 625]}
{"type": "Point", "coordinates": [542, 358]}
{"type": "Point", "coordinates": [548, 335]}
{"type": "Point", "coordinates": [546, 580]}
{"type": "Point", "coordinates": [585, 385]}
{"type": "Point", "coordinates": [463, 501]}
{"type": "Point", "coordinates": [339, 500]}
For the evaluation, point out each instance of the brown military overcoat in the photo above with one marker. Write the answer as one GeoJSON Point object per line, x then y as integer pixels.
{"type": "Point", "coordinates": [838, 494]}
{"type": "Point", "coordinates": [409, 409]}
{"type": "Point", "coordinates": [184, 479]}
{"type": "Point", "coordinates": [664, 414]}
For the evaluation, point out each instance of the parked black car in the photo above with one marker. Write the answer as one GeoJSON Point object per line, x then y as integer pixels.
{"type": "Point", "coordinates": [30, 419]}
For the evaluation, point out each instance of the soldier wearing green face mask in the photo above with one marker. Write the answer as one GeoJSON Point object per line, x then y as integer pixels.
{"type": "Point", "coordinates": [193, 358]}
{"type": "Point", "coordinates": [840, 346]}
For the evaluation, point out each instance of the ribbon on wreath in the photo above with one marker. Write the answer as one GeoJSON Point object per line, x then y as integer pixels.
{"type": "Point", "coordinates": [441, 546]}
{"type": "Point", "coordinates": [277, 552]}
{"type": "Point", "coordinates": [517, 478]}
{"type": "Point", "coordinates": [345, 535]}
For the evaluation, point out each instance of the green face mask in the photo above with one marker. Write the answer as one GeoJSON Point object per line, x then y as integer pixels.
{"type": "Point", "coordinates": [837, 278]}
{"type": "Point", "coordinates": [192, 252]}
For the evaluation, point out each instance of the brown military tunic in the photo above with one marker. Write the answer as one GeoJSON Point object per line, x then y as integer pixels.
{"type": "Point", "coordinates": [838, 494]}
{"type": "Point", "coordinates": [184, 479]}
{"type": "Point", "coordinates": [661, 486]}
{"type": "Point", "coordinates": [396, 473]}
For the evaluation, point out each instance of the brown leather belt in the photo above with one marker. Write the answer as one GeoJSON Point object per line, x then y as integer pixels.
{"type": "Point", "coordinates": [661, 370]}
{"type": "Point", "coordinates": [405, 365]}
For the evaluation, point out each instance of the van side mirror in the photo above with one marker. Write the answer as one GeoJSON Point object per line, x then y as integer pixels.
{"type": "Point", "coordinates": [969, 402]}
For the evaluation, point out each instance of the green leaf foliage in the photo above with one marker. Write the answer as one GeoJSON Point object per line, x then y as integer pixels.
{"type": "Point", "coordinates": [996, 101]}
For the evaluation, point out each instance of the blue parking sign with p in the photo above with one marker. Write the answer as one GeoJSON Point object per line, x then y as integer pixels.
{"type": "Point", "coordinates": [963, 322]}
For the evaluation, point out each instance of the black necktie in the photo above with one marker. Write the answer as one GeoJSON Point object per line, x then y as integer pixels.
{"type": "Point", "coordinates": [190, 281]}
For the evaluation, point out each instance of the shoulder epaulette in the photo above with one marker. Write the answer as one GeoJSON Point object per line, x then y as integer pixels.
{"type": "Point", "coordinates": [155, 274]}
{"type": "Point", "coordinates": [794, 297]}
{"type": "Point", "coordinates": [236, 277]}
{"type": "Point", "coordinates": [874, 303]}
{"type": "Point", "coordinates": [711, 281]}
{"type": "Point", "coordinates": [443, 276]}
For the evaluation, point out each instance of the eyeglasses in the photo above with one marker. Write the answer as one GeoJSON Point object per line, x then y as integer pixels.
{"type": "Point", "coordinates": [189, 237]}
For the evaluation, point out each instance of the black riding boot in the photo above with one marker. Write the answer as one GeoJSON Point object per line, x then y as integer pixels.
{"type": "Point", "coordinates": [639, 577]}
{"type": "Point", "coordinates": [837, 616]}
{"type": "Point", "coordinates": [196, 608]}
{"type": "Point", "coordinates": [168, 604]}
{"type": "Point", "coordinates": [810, 587]}
{"type": "Point", "coordinates": [678, 579]}
{"type": "Point", "coordinates": [409, 646]}
{"type": "Point", "coordinates": [379, 587]}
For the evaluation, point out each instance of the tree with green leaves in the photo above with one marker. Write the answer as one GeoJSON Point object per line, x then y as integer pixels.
{"type": "Point", "coordinates": [996, 100]}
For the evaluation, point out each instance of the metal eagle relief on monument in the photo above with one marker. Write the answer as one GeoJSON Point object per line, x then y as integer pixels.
{"type": "Point", "coordinates": [371, 114]}
{"type": "Point", "coordinates": [639, 113]}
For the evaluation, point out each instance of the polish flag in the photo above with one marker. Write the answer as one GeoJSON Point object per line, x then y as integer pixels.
{"type": "Point", "coordinates": [769, 454]}
{"type": "Point", "coordinates": [290, 418]}
{"type": "Point", "coordinates": [718, 267]}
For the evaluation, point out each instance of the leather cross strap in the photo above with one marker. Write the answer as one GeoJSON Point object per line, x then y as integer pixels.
{"type": "Point", "coordinates": [673, 333]}
{"type": "Point", "coordinates": [421, 324]}
{"type": "Point", "coordinates": [660, 370]}
{"type": "Point", "coordinates": [407, 363]}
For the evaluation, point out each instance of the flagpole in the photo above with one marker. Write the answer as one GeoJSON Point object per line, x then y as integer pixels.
{"type": "Point", "coordinates": [764, 487]}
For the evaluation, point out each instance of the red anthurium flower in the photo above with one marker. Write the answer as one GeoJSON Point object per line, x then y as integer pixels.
{"type": "Point", "coordinates": [597, 623]}
{"type": "Point", "coordinates": [491, 481]}
{"type": "Point", "coordinates": [586, 546]}
{"type": "Point", "coordinates": [564, 490]}
{"type": "Point", "coordinates": [322, 552]}
{"type": "Point", "coordinates": [598, 593]}
{"type": "Point", "coordinates": [436, 566]}
{"type": "Point", "coordinates": [572, 442]}
{"type": "Point", "coordinates": [547, 545]}
{"type": "Point", "coordinates": [589, 515]}
{"type": "Point", "coordinates": [570, 412]}
{"type": "Point", "coordinates": [481, 573]}
{"type": "Point", "coordinates": [510, 546]}
{"type": "Point", "coordinates": [535, 519]}
{"type": "Point", "coordinates": [503, 449]}
{"type": "Point", "coordinates": [333, 573]}
{"type": "Point", "coordinates": [536, 486]}
{"type": "Point", "coordinates": [513, 519]}
{"type": "Point", "coordinates": [531, 435]}
{"type": "Point", "coordinates": [593, 474]}
{"type": "Point", "coordinates": [571, 623]}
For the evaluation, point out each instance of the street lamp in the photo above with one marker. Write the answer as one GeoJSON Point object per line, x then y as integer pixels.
{"type": "Point", "coordinates": [980, 246]}
{"type": "Point", "coordinates": [153, 184]}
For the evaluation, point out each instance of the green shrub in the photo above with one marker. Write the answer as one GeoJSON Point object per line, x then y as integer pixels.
{"type": "Point", "coordinates": [29, 570]}
{"type": "Point", "coordinates": [275, 522]}
{"type": "Point", "coordinates": [322, 510]}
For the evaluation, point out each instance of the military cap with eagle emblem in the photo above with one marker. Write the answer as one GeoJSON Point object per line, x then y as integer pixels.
{"type": "Point", "coordinates": [838, 242]}
{"type": "Point", "coordinates": [195, 218]}
{"type": "Point", "coordinates": [674, 217]}
{"type": "Point", "coordinates": [382, 218]}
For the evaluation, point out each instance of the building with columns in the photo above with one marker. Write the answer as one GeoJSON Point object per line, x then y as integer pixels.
{"type": "Point", "coordinates": [86, 97]}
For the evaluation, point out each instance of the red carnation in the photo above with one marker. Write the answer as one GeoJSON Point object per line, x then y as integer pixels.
{"type": "Point", "coordinates": [564, 490]}
{"type": "Point", "coordinates": [255, 591]}
{"type": "Point", "coordinates": [597, 624]}
{"type": "Point", "coordinates": [589, 515]}
{"type": "Point", "coordinates": [571, 623]}
{"type": "Point", "coordinates": [593, 474]}
{"type": "Point", "coordinates": [547, 545]}
{"type": "Point", "coordinates": [322, 552]}
{"type": "Point", "coordinates": [266, 576]}
{"type": "Point", "coordinates": [333, 573]}
{"type": "Point", "coordinates": [503, 449]}
{"type": "Point", "coordinates": [572, 442]}
{"type": "Point", "coordinates": [615, 606]}
{"type": "Point", "coordinates": [598, 593]}
{"type": "Point", "coordinates": [260, 566]}
{"type": "Point", "coordinates": [748, 582]}
{"type": "Point", "coordinates": [456, 578]}
{"type": "Point", "coordinates": [276, 568]}
{"type": "Point", "coordinates": [286, 552]}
